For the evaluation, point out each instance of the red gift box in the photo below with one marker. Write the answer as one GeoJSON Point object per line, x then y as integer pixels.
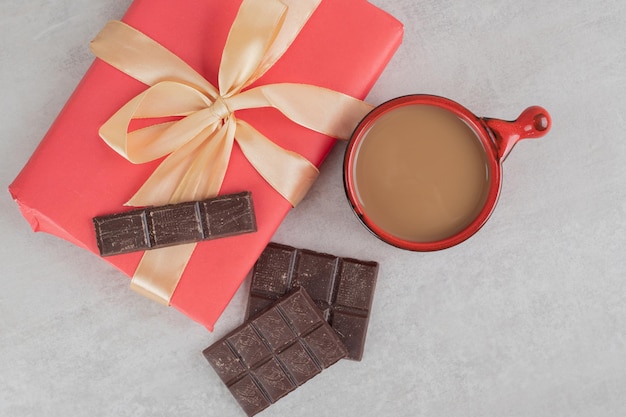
{"type": "Point", "coordinates": [74, 176]}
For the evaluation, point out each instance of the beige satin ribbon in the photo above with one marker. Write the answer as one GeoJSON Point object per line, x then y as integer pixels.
{"type": "Point", "coordinates": [199, 145]}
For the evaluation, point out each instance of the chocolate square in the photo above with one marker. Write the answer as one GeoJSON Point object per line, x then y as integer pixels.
{"type": "Point", "coordinates": [249, 396]}
{"type": "Point", "coordinates": [299, 363]}
{"type": "Point", "coordinates": [174, 224]}
{"type": "Point", "coordinates": [122, 232]}
{"type": "Point", "coordinates": [249, 346]}
{"type": "Point", "coordinates": [272, 271]}
{"type": "Point", "coordinates": [273, 379]}
{"type": "Point", "coordinates": [228, 216]}
{"type": "Point", "coordinates": [316, 272]}
{"type": "Point", "coordinates": [227, 365]}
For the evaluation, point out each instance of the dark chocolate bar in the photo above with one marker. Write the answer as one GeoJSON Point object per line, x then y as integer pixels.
{"type": "Point", "coordinates": [175, 224]}
{"type": "Point", "coordinates": [343, 288]}
{"type": "Point", "coordinates": [271, 355]}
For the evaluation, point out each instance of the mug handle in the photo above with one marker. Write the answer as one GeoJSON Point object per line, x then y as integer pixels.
{"type": "Point", "coordinates": [533, 123]}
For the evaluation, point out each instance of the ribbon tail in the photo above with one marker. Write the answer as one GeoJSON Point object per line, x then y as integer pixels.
{"type": "Point", "coordinates": [206, 174]}
{"type": "Point", "coordinates": [320, 109]}
{"type": "Point", "coordinates": [287, 172]}
{"type": "Point", "coordinates": [161, 186]}
{"type": "Point", "coordinates": [298, 13]}
{"type": "Point", "coordinates": [254, 30]}
{"type": "Point", "coordinates": [159, 272]}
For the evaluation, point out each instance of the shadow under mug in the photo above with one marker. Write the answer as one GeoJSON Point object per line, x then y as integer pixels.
{"type": "Point", "coordinates": [423, 173]}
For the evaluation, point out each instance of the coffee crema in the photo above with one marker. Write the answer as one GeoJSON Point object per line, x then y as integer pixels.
{"type": "Point", "coordinates": [421, 173]}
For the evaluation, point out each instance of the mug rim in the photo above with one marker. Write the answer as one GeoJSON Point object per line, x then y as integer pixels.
{"type": "Point", "coordinates": [482, 133]}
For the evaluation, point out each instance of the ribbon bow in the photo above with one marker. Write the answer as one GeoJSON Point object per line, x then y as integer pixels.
{"type": "Point", "coordinates": [198, 146]}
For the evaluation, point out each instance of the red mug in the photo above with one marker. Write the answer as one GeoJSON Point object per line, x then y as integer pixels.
{"type": "Point", "coordinates": [423, 173]}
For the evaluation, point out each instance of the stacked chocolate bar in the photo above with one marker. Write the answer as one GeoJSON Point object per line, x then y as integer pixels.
{"type": "Point", "coordinates": [306, 310]}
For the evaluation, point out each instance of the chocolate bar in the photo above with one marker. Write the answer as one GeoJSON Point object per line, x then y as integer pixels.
{"type": "Point", "coordinates": [279, 350]}
{"type": "Point", "coordinates": [343, 288]}
{"type": "Point", "coordinates": [175, 224]}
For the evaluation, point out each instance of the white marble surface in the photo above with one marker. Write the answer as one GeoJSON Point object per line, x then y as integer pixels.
{"type": "Point", "coordinates": [526, 319]}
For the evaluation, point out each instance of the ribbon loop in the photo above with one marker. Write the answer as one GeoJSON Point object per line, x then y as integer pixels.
{"type": "Point", "coordinates": [134, 53]}
{"type": "Point", "coordinates": [251, 36]}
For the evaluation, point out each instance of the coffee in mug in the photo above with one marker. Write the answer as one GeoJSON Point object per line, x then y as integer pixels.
{"type": "Point", "coordinates": [423, 173]}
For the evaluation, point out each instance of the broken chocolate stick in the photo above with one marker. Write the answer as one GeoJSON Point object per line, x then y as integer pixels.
{"type": "Point", "coordinates": [279, 350]}
{"type": "Point", "coordinates": [175, 224]}
{"type": "Point", "coordinates": [343, 288]}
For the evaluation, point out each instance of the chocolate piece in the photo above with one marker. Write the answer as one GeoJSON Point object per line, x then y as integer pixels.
{"type": "Point", "coordinates": [343, 288]}
{"type": "Point", "coordinates": [271, 355]}
{"type": "Point", "coordinates": [175, 224]}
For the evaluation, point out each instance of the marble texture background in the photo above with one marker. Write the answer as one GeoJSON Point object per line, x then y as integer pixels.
{"type": "Point", "coordinates": [526, 319]}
